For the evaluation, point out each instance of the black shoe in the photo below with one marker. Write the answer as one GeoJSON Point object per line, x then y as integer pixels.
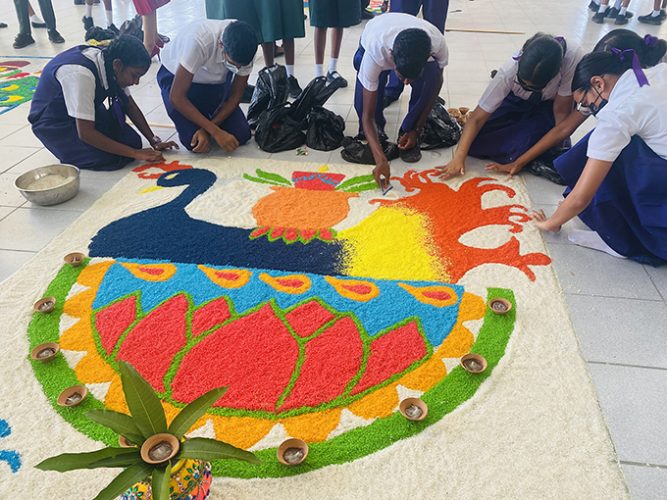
{"type": "Point", "coordinates": [112, 27]}
{"type": "Point", "coordinates": [663, 14]}
{"type": "Point", "coordinates": [55, 37]}
{"type": "Point", "coordinates": [649, 19]}
{"type": "Point", "coordinates": [3, 25]}
{"type": "Point", "coordinates": [87, 23]}
{"type": "Point", "coordinates": [23, 40]}
{"type": "Point", "coordinates": [494, 72]}
{"type": "Point", "coordinates": [543, 169]}
{"type": "Point", "coordinates": [37, 25]}
{"type": "Point", "coordinates": [294, 89]}
{"type": "Point", "coordinates": [410, 155]}
{"type": "Point", "coordinates": [621, 19]}
{"type": "Point", "coordinates": [593, 6]}
{"type": "Point", "coordinates": [598, 18]}
{"type": "Point", "coordinates": [247, 93]}
{"type": "Point", "coordinates": [335, 78]}
{"type": "Point", "coordinates": [613, 13]}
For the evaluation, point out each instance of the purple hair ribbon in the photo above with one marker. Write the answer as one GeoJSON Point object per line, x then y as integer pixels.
{"type": "Point", "coordinates": [650, 40]}
{"type": "Point", "coordinates": [636, 65]}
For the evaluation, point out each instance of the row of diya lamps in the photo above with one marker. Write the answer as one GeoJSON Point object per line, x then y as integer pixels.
{"type": "Point", "coordinates": [290, 452]}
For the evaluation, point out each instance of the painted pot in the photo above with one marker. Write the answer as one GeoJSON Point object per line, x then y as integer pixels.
{"type": "Point", "coordinates": [190, 480]}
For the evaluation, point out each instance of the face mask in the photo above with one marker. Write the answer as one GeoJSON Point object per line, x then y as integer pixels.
{"type": "Point", "coordinates": [231, 67]}
{"type": "Point", "coordinates": [595, 108]}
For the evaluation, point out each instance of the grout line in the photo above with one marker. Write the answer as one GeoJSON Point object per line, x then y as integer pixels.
{"type": "Point", "coordinates": [653, 282]}
{"type": "Point", "coordinates": [613, 297]}
{"type": "Point", "coordinates": [626, 365]}
{"type": "Point", "coordinates": [656, 466]}
{"type": "Point", "coordinates": [15, 250]}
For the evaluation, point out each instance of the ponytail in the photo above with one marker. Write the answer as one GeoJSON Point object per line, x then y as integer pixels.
{"type": "Point", "coordinates": [649, 49]}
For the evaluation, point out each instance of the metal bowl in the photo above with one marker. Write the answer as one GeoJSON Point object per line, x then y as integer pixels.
{"type": "Point", "coordinates": [49, 185]}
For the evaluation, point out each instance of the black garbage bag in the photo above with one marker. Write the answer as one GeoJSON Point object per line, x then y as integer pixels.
{"type": "Point", "coordinates": [355, 151]}
{"type": "Point", "coordinates": [270, 91]}
{"type": "Point", "coordinates": [133, 27]}
{"type": "Point", "coordinates": [278, 131]}
{"type": "Point", "coordinates": [440, 129]}
{"type": "Point", "coordinates": [325, 129]}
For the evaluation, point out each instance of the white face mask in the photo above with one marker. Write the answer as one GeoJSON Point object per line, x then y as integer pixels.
{"type": "Point", "coordinates": [229, 65]}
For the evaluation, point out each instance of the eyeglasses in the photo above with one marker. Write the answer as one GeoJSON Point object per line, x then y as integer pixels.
{"type": "Point", "coordinates": [525, 86]}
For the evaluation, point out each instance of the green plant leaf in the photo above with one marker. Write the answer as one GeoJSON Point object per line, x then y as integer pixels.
{"type": "Point", "coordinates": [124, 480]}
{"type": "Point", "coordinates": [120, 423]}
{"type": "Point", "coordinates": [360, 179]}
{"type": "Point", "coordinates": [86, 460]}
{"type": "Point", "coordinates": [211, 449]}
{"type": "Point", "coordinates": [272, 177]}
{"type": "Point", "coordinates": [160, 482]}
{"type": "Point", "coordinates": [362, 187]}
{"type": "Point", "coordinates": [261, 181]}
{"type": "Point", "coordinates": [132, 457]}
{"type": "Point", "coordinates": [193, 411]}
{"type": "Point", "coordinates": [144, 405]}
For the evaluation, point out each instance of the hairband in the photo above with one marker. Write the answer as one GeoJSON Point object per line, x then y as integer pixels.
{"type": "Point", "coordinates": [650, 40]}
{"type": "Point", "coordinates": [636, 65]}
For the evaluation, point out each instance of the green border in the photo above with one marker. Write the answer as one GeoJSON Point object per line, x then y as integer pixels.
{"type": "Point", "coordinates": [456, 388]}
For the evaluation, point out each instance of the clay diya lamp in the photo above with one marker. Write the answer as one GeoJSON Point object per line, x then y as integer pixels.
{"type": "Point", "coordinates": [474, 363]}
{"type": "Point", "coordinates": [413, 409]}
{"type": "Point", "coordinates": [74, 259]}
{"type": "Point", "coordinates": [500, 305]}
{"type": "Point", "coordinates": [45, 352]}
{"type": "Point", "coordinates": [72, 396]}
{"type": "Point", "coordinates": [124, 443]}
{"type": "Point", "coordinates": [159, 448]}
{"type": "Point", "coordinates": [292, 452]}
{"type": "Point", "coordinates": [45, 305]}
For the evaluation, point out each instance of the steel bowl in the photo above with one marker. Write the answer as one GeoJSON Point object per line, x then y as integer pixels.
{"type": "Point", "coordinates": [49, 185]}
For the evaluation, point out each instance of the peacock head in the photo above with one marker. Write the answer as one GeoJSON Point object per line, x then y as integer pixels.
{"type": "Point", "coordinates": [187, 177]}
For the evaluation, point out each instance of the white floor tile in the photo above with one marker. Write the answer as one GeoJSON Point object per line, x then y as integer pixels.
{"type": "Point", "coordinates": [646, 483]}
{"type": "Point", "coordinates": [11, 261]}
{"type": "Point", "coordinates": [9, 195]}
{"type": "Point", "coordinates": [31, 228]}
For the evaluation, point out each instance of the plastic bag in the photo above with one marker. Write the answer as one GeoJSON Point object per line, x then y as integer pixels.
{"type": "Point", "coordinates": [278, 131]}
{"type": "Point", "coordinates": [307, 99]}
{"type": "Point", "coordinates": [133, 27]}
{"type": "Point", "coordinates": [270, 91]}
{"type": "Point", "coordinates": [355, 151]}
{"type": "Point", "coordinates": [325, 129]}
{"type": "Point", "coordinates": [440, 129]}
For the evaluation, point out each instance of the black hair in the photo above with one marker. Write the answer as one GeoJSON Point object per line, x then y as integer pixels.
{"type": "Point", "coordinates": [130, 51]}
{"type": "Point", "coordinates": [99, 34]}
{"type": "Point", "coordinates": [240, 42]}
{"type": "Point", "coordinates": [598, 64]}
{"type": "Point", "coordinates": [411, 50]}
{"type": "Point", "coordinates": [541, 59]}
{"type": "Point", "coordinates": [649, 52]}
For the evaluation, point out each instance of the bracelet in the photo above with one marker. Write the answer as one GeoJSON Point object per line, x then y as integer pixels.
{"type": "Point", "coordinates": [155, 140]}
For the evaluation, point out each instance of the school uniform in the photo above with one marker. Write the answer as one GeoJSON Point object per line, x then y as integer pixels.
{"type": "Point", "coordinates": [198, 50]}
{"type": "Point", "coordinates": [434, 11]}
{"type": "Point", "coordinates": [334, 13]}
{"type": "Point", "coordinates": [272, 19]}
{"type": "Point", "coordinates": [520, 118]}
{"type": "Point", "coordinates": [74, 85]}
{"type": "Point", "coordinates": [629, 210]}
{"type": "Point", "coordinates": [374, 62]}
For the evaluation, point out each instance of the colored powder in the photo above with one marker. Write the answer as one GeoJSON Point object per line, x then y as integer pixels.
{"type": "Point", "coordinates": [392, 243]}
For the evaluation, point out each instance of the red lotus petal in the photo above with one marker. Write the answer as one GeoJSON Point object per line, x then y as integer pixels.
{"type": "Point", "coordinates": [206, 317]}
{"type": "Point", "coordinates": [308, 234]}
{"type": "Point", "coordinates": [276, 232]}
{"type": "Point", "coordinates": [308, 317]}
{"type": "Point", "coordinates": [326, 234]}
{"type": "Point", "coordinates": [291, 235]}
{"type": "Point", "coordinates": [256, 233]}
{"type": "Point", "coordinates": [112, 321]}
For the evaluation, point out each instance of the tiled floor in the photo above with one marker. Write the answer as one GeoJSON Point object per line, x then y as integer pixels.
{"type": "Point", "coordinates": [618, 307]}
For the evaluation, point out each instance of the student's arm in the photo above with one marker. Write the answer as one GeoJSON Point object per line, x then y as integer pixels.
{"type": "Point", "coordinates": [553, 138]}
{"type": "Point", "coordinates": [381, 172]}
{"type": "Point", "coordinates": [138, 118]}
{"type": "Point", "coordinates": [411, 137]}
{"type": "Point", "coordinates": [563, 106]}
{"type": "Point", "coordinates": [592, 176]}
{"type": "Point", "coordinates": [474, 124]}
{"type": "Point", "coordinates": [90, 135]}
{"type": "Point", "coordinates": [179, 99]}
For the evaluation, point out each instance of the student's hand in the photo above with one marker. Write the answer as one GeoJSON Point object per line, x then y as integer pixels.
{"type": "Point", "coordinates": [226, 140]}
{"type": "Point", "coordinates": [201, 142]}
{"type": "Point", "coordinates": [408, 140]}
{"type": "Point", "coordinates": [452, 169]}
{"type": "Point", "coordinates": [382, 173]}
{"type": "Point", "coordinates": [161, 145]}
{"type": "Point", "coordinates": [543, 223]}
{"type": "Point", "coordinates": [508, 168]}
{"type": "Point", "coordinates": [148, 155]}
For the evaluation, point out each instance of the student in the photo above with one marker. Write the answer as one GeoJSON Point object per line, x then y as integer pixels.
{"type": "Point", "coordinates": [619, 12]}
{"type": "Point", "coordinates": [68, 115]}
{"type": "Point", "coordinates": [108, 11]}
{"type": "Point", "coordinates": [617, 174]}
{"type": "Point", "coordinates": [204, 72]}
{"type": "Point", "coordinates": [272, 20]}
{"type": "Point", "coordinates": [649, 49]}
{"type": "Point", "coordinates": [528, 96]}
{"type": "Point", "coordinates": [335, 14]}
{"type": "Point", "coordinates": [658, 15]}
{"type": "Point", "coordinates": [417, 52]}
{"type": "Point", "coordinates": [433, 11]}
{"type": "Point", "coordinates": [24, 38]}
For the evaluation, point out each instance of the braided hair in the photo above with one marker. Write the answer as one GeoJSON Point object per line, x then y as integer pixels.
{"type": "Point", "coordinates": [130, 52]}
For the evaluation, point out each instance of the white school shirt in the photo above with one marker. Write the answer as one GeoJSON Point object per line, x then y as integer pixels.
{"type": "Point", "coordinates": [78, 84]}
{"type": "Point", "coordinates": [378, 38]}
{"type": "Point", "coordinates": [197, 48]}
{"type": "Point", "coordinates": [505, 81]}
{"type": "Point", "coordinates": [632, 110]}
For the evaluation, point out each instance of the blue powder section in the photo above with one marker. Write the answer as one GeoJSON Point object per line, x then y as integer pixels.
{"type": "Point", "coordinates": [393, 305]}
{"type": "Point", "coordinates": [12, 458]}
